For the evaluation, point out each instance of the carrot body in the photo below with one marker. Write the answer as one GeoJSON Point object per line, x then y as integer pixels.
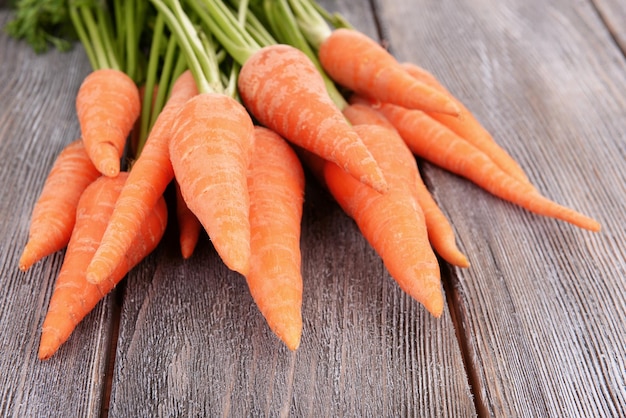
{"type": "Point", "coordinates": [468, 127]}
{"type": "Point", "coordinates": [149, 177]}
{"type": "Point", "coordinates": [73, 296]}
{"type": "Point", "coordinates": [284, 90]}
{"type": "Point", "coordinates": [436, 143]}
{"type": "Point", "coordinates": [440, 232]}
{"type": "Point", "coordinates": [276, 184]}
{"type": "Point", "coordinates": [54, 213]}
{"type": "Point", "coordinates": [210, 152]}
{"type": "Point", "coordinates": [393, 223]}
{"type": "Point", "coordinates": [396, 230]}
{"type": "Point", "coordinates": [360, 64]}
{"type": "Point", "coordinates": [107, 105]}
{"type": "Point", "coordinates": [188, 225]}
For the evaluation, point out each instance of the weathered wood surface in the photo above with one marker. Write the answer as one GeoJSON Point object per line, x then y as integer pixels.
{"type": "Point", "coordinates": [37, 118]}
{"type": "Point", "coordinates": [542, 309]}
{"type": "Point", "coordinates": [536, 325]}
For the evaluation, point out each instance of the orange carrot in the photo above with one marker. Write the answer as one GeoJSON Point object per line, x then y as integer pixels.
{"type": "Point", "coordinates": [149, 177]}
{"type": "Point", "coordinates": [107, 104]}
{"type": "Point", "coordinates": [360, 64]}
{"type": "Point", "coordinates": [284, 90]}
{"type": "Point", "coordinates": [468, 127]}
{"type": "Point", "coordinates": [395, 228]}
{"type": "Point", "coordinates": [440, 232]}
{"type": "Point", "coordinates": [73, 296]}
{"type": "Point", "coordinates": [276, 185]}
{"type": "Point", "coordinates": [210, 150]}
{"type": "Point", "coordinates": [188, 224]}
{"type": "Point", "coordinates": [54, 213]}
{"type": "Point", "coordinates": [436, 143]}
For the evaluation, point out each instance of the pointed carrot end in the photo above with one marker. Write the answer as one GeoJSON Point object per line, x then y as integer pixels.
{"type": "Point", "coordinates": [97, 272]}
{"type": "Point", "coordinates": [289, 331]}
{"type": "Point", "coordinates": [434, 304]}
{"type": "Point", "coordinates": [25, 261]}
{"type": "Point", "coordinates": [48, 345]}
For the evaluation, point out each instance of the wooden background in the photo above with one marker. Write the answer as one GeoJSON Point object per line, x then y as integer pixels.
{"type": "Point", "coordinates": [535, 327]}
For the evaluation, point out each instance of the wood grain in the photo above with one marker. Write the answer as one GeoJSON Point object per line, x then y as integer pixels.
{"type": "Point", "coordinates": [613, 13]}
{"type": "Point", "coordinates": [542, 308]}
{"type": "Point", "coordinates": [37, 118]}
{"type": "Point", "coordinates": [536, 324]}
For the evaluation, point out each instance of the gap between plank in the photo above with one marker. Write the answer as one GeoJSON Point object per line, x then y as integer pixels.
{"type": "Point", "coordinates": [447, 279]}
{"type": "Point", "coordinates": [114, 330]}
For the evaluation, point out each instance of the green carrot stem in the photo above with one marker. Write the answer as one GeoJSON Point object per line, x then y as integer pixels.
{"type": "Point", "coordinates": [219, 19]}
{"type": "Point", "coordinates": [311, 22]}
{"type": "Point", "coordinates": [151, 75]}
{"type": "Point", "coordinates": [166, 79]}
{"type": "Point", "coordinates": [83, 37]}
{"type": "Point", "coordinates": [185, 43]}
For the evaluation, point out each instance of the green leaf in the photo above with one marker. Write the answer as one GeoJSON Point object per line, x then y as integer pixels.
{"type": "Point", "coordinates": [42, 24]}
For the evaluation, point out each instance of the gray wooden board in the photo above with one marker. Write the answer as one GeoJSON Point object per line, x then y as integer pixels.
{"type": "Point", "coordinates": [193, 342]}
{"type": "Point", "coordinates": [613, 12]}
{"type": "Point", "coordinates": [37, 119]}
{"type": "Point", "coordinates": [542, 309]}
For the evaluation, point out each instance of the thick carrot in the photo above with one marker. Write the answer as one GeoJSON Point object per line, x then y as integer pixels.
{"type": "Point", "coordinates": [276, 185]}
{"type": "Point", "coordinates": [149, 177]}
{"type": "Point", "coordinates": [73, 296]}
{"type": "Point", "coordinates": [395, 228]}
{"type": "Point", "coordinates": [107, 105]}
{"type": "Point", "coordinates": [54, 213]}
{"type": "Point", "coordinates": [210, 147]}
{"type": "Point", "coordinates": [406, 175]}
{"type": "Point", "coordinates": [468, 127]}
{"type": "Point", "coordinates": [436, 143]}
{"type": "Point", "coordinates": [360, 64]}
{"type": "Point", "coordinates": [188, 225]}
{"type": "Point", "coordinates": [284, 90]}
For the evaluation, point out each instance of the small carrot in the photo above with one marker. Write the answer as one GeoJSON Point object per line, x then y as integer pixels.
{"type": "Point", "coordinates": [188, 224]}
{"type": "Point", "coordinates": [395, 228]}
{"type": "Point", "coordinates": [360, 64]}
{"type": "Point", "coordinates": [210, 150]}
{"type": "Point", "coordinates": [436, 143]}
{"type": "Point", "coordinates": [107, 105]}
{"type": "Point", "coordinates": [73, 296]}
{"type": "Point", "coordinates": [440, 232]}
{"type": "Point", "coordinates": [149, 177]}
{"type": "Point", "coordinates": [276, 185]}
{"type": "Point", "coordinates": [468, 127]}
{"type": "Point", "coordinates": [54, 213]}
{"type": "Point", "coordinates": [284, 90]}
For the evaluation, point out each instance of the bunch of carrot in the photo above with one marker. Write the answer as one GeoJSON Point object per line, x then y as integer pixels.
{"type": "Point", "coordinates": [234, 99]}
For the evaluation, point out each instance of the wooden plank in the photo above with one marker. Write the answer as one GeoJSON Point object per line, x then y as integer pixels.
{"type": "Point", "coordinates": [613, 13]}
{"type": "Point", "coordinates": [37, 118]}
{"type": "Point", "coordinates": [542, 308]}
{"type": "Point", "coordinates": [192, 342]}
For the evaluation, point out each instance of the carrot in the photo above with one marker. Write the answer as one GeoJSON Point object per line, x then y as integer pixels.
{"type": "Point", "coordinates": [148, 179]}
{"type": "Point", "coordinates": [468, 127]}
{"type": "Point", "coordinates": [395, 228]}
{"type": "Point", "coordinates": [107, 105]}
{"type": "Point", "coordinates": [358, 63]}
{"type": "Point", "coordinates": [73, 296]}
{"type": "Point", "coordinates": [436, 143]}
{"type": "Point", "coordinates": [282, 88]}
{"type": "Point", "coordinates": [210, 150]}
{"type": "Point", "coordinates": [440, 232]}
{"type": "Point", "coordinates": [276, 185]}
{"type": "Point", "coordinates": [54, 212]}
{"type": "Point", "coordinates": [188, 224]}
